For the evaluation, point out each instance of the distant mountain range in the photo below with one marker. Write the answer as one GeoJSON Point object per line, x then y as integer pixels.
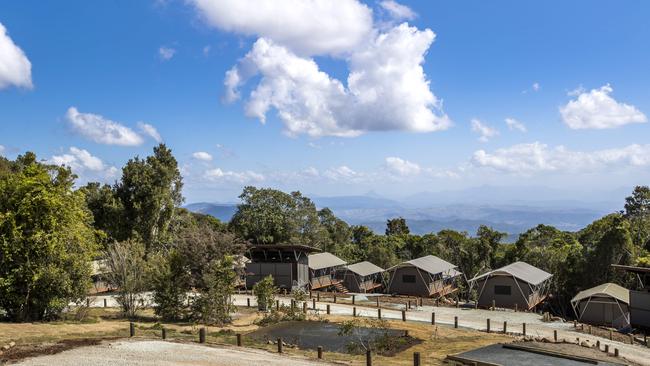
{"type": "Point", "coordinates": [512, 210]}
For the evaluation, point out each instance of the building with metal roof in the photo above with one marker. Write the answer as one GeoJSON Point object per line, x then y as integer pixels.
{"type": "Point", "coordinates": [322, 271]}
{"type": "Point", "coordinates": [639, 304]}
{"type": "Point", "coordinates": [362, 277]}
{"type": "Point", "coordinates": [517, 285]}
{"type": "Point", "coordinates": [427, 276]}
{"type": "Point", "coordinates": [606, 304]}
{"type": "Point", "coordinates": [286, 263]}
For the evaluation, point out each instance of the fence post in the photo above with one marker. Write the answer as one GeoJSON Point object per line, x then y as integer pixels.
{"type": "Point", "coordinates": [248, 302]}
{"type": "Point", "coordinates": [368, 358]}
{"type": "Point", "coordinates": [328, 309]}
{"type": "Point", "coordinates": [416, 358]}
{"type": "Point", "coordinates": [607, 348]}
{"type": "Point", "coordinates": [202, 335]}
{"type": "Point", "coordinates": [598, 345]}
{"type": "Point", "coordinates": [555, 335]}
{"type": "Point", "coordinates": [313, 303]}
{"type": "Point", "coordinates": [335, 298]}
{"type": "Point", "coordinates": [631, 339]}
{"type": "Point", "coordinates": [524, 326]}
{"type": "Point", "coordinates": [516, 307]}
{"type": "Point", "coordinates": [352, 299]}
{"type": "Point", "coordinates": [611, 335]}
{"type": "Point", "coordinates": [354, 311]}
{"type": "Point", "coordinates": [318, 296]}
{"type": "Point", "coordinates": [131, 330]}
{"type": "Point", "coordinates": [379, 313]}
{"type": "Point", "coordinates": [105, 304]}
{"type": "Point", "coordinates": [280, 345]}
{"type": "Point", "coordinates": [320, 352]}
{"type": "Point", "coordinates": [615, 352]}
{"type": "Point", "coordinates": [377, 301]}
{"type": "Point", "coordinates": [409, 305]}
{"type": "Point", "coordinates": [456, 322]}
{"type": "Point", "coordinates": [403, 315]}
{"type": "Point", "coordinates": [505, 327]}
{"type": "Point", "coordinates": [433, 318]}
{"type": "Point", "coordinates": [238, 340]}
{"type": "Point", "coordinates": [589, 328]}
{"type": "Point", "coordinates": [87, 302]}
{"type": "Point", "coordinates": [277, 304]}
{"type": "Point", "coordinates": [488, 325]}
{"type": "Point", "coordinates": [164, 333]}
{"type": "Point", "coordinates": [494, 305]}
{"type": "Point", "coordinates": [420, 301]}
{"type": "Point", "coordinates": [456, 301]}
{"type": "Point", "coordinates": [304, 307]}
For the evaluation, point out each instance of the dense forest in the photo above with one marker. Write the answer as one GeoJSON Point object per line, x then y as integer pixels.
{"type": "Point", "coordinates": [51, 230]}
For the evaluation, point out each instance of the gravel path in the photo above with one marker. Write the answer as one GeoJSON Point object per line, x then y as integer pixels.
{"type": "Point", "coordinates": [154, 353]}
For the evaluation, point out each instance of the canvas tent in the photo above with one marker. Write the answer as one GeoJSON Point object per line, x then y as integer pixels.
{"type": "Point", "coordinates": [517, 285]}
{"type": "Point", "coordinates": [362, 277]}
{"type": "Point", "coordinates": [639, 304]}
{"type": "Point", "coordinates": [322, 270]}
{"type": "Point", "coordinates": [606, 304]}
{"type": "Point", "coordinates": [286, 263]}
{"type": "Point", "coordinates": [425, 276]}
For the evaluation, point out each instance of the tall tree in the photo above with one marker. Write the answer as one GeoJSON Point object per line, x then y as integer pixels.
{"type": "Point", "coordinates": [46, 240]}
{"type": "Point", "coordinates": [397, 226]}
{"type": "Point", "coordinates": [637, 210]}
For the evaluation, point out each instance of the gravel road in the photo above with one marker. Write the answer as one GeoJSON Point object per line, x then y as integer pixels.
{"type": "Point", "coordinates": [155, 353]}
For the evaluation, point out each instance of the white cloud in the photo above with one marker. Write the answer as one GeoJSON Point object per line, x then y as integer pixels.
{"type": "Point", "coordinates": [387, 88]}
{"type": "Point", "coordinates": [150, 131]}
{"type": "Point", "coordinates": [308, 27]}
{"type": "Point", "coordinates": [87, 166]}
{"type": "Point", "coordinates": [166, 53]}
{"type": "Point", "coordinates": [2, 149]}
{"type": "Point", "coordinates": [101, 130]}
{"type": "Point", "coordinates": [535, 86]}
{"type": "Point", "coordinates": [248, 176]}
{"type": "Point", "coordinates": [513, 124]}
{"type": "Point", "coordinates": [596, 109]}
{"type": "Point", "coordinates": [311, 172]}
{"type": "Point", "coordinates": [397, 10]}
{"type": "Point", "coordinates": [202, 155]}
{"type": "Point", "coordinates": [486, 132]}
{"type": "Point", "coordinates": [401, 167]}
{"type": "Point", "coordinates": [343, 173]}
{"type": "Point", "coordinates": [530, 158]}
{"type": "Point", "coordinates": [15, 67]}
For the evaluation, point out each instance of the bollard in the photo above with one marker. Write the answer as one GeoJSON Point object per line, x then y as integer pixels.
{"type": "Point", "coordinates": [320, 352]}
{"type": "Point", "coordinates": [524, 329]}
{"type": "Point", "coordinates": [164, 333]}
{"type": "Point", "coordinates": [607, 348]}
{"type": "Point", "coordinates": [416, 358]}
{"type": "Point", "coordinates": [202, 335]}
{"type": "Point", "coordinates": [328, 309]}
{"type": "Point", "coordinates": [368, 358]}
{"type": "Point", "coordinates": [313, 303]}
{"type": "Point", "coordinates": [354, 311]}
{"type": "Point", "coordinates": [488, 325]}
{"type": "Point", "coordinates": [433, 318]}
{"type": "Point", "coordinates": [379, 313]}
{"type": "Point", "coordinates": [455, 322]}
{"type": "Point", "coordinates": [248, 302]}
{"type": "Point", "coordinates": [505, 327]}
{"type": "Point", "coordinates": [279, 345]}
{"type": "Point", "coordinates": [615, 352]}
{"type": "Point", "coordinates": [403, 315]}
{"type": "Point", "coordinates": [611, 335]}
{"type": "Point", "coordinates": [131, 330]}
{"type": "Point", "coordinates": [352, 299]}
{"type": "Point", "coordinates": [555, 335]}
{"type": "Point", "coordinates": [238, 340]}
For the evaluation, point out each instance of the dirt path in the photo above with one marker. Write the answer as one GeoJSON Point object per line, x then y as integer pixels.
{"type": "Point", "coordinates": [154, 353]}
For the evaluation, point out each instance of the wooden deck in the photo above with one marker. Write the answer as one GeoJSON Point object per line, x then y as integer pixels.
{"type": "Point", "coordinates": [323, 281]}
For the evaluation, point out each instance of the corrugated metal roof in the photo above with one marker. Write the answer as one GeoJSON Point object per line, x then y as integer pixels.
{"type": "Point", "coordinates": [364, 268]}
{"type": "Point", "coordinates": [520, 270]}
{"type": "Point", "coordinates": [606, 289]}
{"type": "Point", "coordinates": [429, 263]}
{"type": "Point", "coordinates": [324, 260]}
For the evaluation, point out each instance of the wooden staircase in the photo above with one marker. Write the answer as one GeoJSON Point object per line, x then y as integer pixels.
{"type": "Point", "coordinates": [340, 288]}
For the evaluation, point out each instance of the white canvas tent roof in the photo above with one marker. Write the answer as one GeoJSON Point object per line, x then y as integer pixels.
{"type": "Point", "coordinates": [430, 264]}
{"type": "Point", "coordinates": [364, 268]}
{"type": "Point", "coordinates": [606, 289]}
{"type": "Point", "coordinates": [520, 270]}
{"type": "Point", "coordinates": [324, 260]}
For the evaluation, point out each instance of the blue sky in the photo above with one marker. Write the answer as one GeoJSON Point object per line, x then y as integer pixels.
{"type": "Point", "coordinates": [79, 80]}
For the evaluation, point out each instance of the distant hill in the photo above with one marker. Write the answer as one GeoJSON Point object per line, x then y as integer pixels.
{"type": "Point", "coordinates": [223, 212]}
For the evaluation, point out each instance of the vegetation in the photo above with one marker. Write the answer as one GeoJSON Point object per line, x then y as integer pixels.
{"type": "Point", "coordinates": [214, 302]}
{"type": "Point", "coordinates": [265, 292]}
{"type": "Point", "coordinates": [127, 270]}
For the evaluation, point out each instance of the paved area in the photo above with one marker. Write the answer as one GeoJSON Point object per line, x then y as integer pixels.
{"type": "Point", "coordinates": [156, 353]}
{"type": "Point", "coordinates": [510, 357]}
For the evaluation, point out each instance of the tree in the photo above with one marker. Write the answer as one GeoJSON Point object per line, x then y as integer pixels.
{"type": "Point", "coordinates": [489, 241]}
{"type": "Point", "coordinates": [265, 292]}
{"type": "Point", "coordinates": [46, 240]}
{"type": "Point", "coordinates": [397, 227]}
{"type": "Point", "coordinates": [338, 230]}
{"type": "Point", "coordinates": [214, 302]}
{"type": "Point", "coordinates": [637, 210]}
{"type": "Point", "coordinates": [107, 210]}
{"type": "Point", "coordinates": [150, 192]}
{"type": "Point", "coordinates": [171, 284]}
{"type": "Point", "coordinates": [128, 271]}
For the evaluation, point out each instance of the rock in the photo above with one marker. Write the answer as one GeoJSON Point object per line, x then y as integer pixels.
{"type": "Point", "coordinates": [11, 344]}
{"type": "Point", "coordinates": [585, 344]}
{"type": "Point", "coordinates": [270, 342]}
{"type": "Point", "coordinates": [5, 347]}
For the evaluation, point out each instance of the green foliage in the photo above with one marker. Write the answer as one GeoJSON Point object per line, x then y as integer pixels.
{"type": "Point", "coordinates": [637, 210]}
{"type": "Point", "coordinates": [214, 302]}
{"type": "Point", "coordinates": [129, 272]}
{"type": "Point", "coordinates": [397, 227]}
{"type": "Point", "coordinates": [46, 240]}
{"type": "Point", "coordinates": [377, 340]}
{"type": "Point", "coordinates": [171, 284]}
{"type": "Point", "coordinates": [265, 292]}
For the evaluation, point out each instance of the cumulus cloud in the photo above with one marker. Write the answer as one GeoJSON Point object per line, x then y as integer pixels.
{"type": "Point", "coordinates": [342, 173]}
{"type": "Point", "coordinates": [101, 130]}
{"type": "Point", "coordinates": [397, 10]}
{"type": "Point", "coordinates": [150, 131]}
{"type": "Point", "coordinates": [248, 176]}
{"type": "Point", "coordinates": [513, 124]}
{"type": "Point", "coordinates": [166, 53]}
{"type": "Point", "coordinates": [15, 67]}
{"type": "Point", "coordinates": [386, 88]}
{"type": "Point", "coordinates": [84, 164]}
{"type": "Point", "coordinates": [530, 158]}
{"type": "Point", "coordinates": [401, 167]}
{"type": "Point", "coordinates": [308, 27]}
{"type": "Point", "coordinates": [486, 132]}
{"type": "Point", "coordinates": [202, 155]}
{"type": "Point", "coordinates": [596, 109]}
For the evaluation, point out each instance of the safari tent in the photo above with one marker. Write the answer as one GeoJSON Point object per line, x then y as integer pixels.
{"type": "Point", "coordinates": [606, 304]}
{"type": "Point", "coordinates": [322, 271]}
{"type": "Point", "coordinates": [362, 277]}
{"type": "Point", "coordinates": [517, 285]}
{"type": "Point", "coordinates": [427, 276]}
{"type": "Point", "coordinates": [287, 264]}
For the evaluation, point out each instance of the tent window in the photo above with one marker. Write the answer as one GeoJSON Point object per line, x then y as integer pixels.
{"type": "Point", "coordinates": [408, 278]}
{"type": "Point", "coordinates": [502, 290]}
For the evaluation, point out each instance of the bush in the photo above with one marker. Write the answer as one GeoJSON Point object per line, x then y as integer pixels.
{"type": "Point", "coordinates": [214, 302]}
{"type": "Point", "coordinates": [265, 292]}
{"type": "Point", "coordinates": [170, 287]}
